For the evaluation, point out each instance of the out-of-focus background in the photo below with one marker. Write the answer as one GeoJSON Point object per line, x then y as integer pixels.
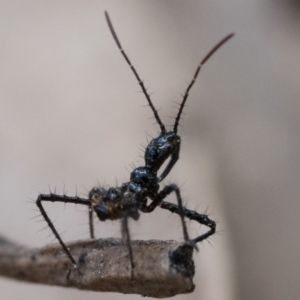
{"type": "Point", "coordinates": [72, 116]}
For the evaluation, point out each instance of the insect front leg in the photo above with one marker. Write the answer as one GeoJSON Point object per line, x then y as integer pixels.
{"type": "Point", "coordinates": [159, 199]}
{"type": "Point", "coordinates": [192, 215]}
{"type": "Point", "coordinates": [65, 199]}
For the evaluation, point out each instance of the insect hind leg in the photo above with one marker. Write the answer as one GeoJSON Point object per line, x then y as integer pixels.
{"type": "Point", "coordinates": [59, 198]}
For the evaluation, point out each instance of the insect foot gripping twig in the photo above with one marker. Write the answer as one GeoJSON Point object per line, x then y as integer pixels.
{"type": "Point", "coordinates": [162, 268]}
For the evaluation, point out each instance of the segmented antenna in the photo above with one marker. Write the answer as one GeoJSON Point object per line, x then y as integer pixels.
{"type": "Point", "coordinates": [162, 126]}
{"type": "Point", "coordinates": [211, 52]}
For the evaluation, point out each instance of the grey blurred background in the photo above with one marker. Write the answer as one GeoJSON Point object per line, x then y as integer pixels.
{"type": "Point", "coordinates": [72, 116]}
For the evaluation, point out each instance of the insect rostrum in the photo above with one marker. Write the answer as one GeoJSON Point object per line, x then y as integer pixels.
{"type": "Point", "coordinates": [132, 197]}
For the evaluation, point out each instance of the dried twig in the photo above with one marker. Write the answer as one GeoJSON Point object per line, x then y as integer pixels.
{"type": "Point", "coordinates": [162, 268]}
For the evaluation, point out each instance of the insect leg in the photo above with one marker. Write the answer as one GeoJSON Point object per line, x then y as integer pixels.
{"type": "Point", "coordinates": [91, 222]}
{"type": "Point", "coordinates": [126, 237]}
{"type": "Point", "coordinates": [58, 198]}
{"type": "Point", "coordinates": [159, 199]}
{"type": "Point", "coordinates": [192, 215]}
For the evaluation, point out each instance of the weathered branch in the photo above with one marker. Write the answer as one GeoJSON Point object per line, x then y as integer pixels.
{"type": "Point", "coordinates": [162, 268]}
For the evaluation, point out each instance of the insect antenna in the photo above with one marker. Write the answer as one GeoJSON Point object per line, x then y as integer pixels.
{"type": "Point", "coordinates": [141, 83]}
{"type": "Point", "coordinates": [205, 59]}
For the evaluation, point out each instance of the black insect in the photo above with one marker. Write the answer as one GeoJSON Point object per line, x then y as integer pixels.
{"type": "Point", "coordinates": [132, 197]}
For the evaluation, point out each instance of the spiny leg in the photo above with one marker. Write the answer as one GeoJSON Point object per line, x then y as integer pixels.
{"type": "Point", "coordinates": [91, 222]}
{"type": "Point", "coordinates": [204, 60]}
{"type": "Point", "coordinates": [64, 199]}
{"type": "Point", "coordinates": [159, 199]}
{"type": "Point", "coordinates": [126, 237]}
{"type": "Point", "coordinates": [141, 83]}
{"type": "Point", "coordinates": [192, 215]}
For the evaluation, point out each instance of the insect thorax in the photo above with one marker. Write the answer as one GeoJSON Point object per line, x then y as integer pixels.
{"type": "Point", "coordinates": [115, 203]}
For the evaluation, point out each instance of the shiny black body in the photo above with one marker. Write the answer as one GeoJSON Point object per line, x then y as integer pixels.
{"type": "Point", "coordinates": [132, 197]}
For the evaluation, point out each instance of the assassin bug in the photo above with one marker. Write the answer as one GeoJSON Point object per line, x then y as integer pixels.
{"type": "Point", "coordinates": [132, 197]}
